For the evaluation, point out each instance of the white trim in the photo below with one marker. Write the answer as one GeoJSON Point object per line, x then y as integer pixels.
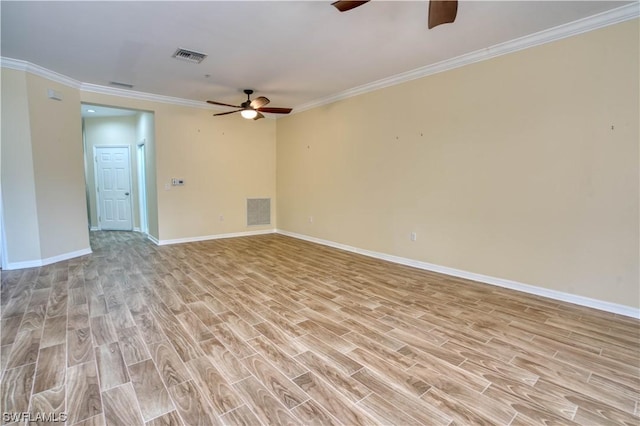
{"type": "Point", "coordinates": [610, 17]}
{"type": "Point", "coordinates": [141, 169]}
{"type": "Point", "coordinates": [23, 265]}
{"type": "Point", "coordinates": [602, 305]}
{"type": "Point", "coordinates": [212, 237]}
{"type": "Point", "coordinates": [20, 65]}
{"type": "Point", "coordinates": [17, 64]}
{"type": "Point", "coordinates": [601, 20]}
{"type": "Point", "coordinates": [97, 228]}
{"type": "Point", "coordinates": [49, 260]}
{"type": "Point", "coordinates": [153, 239]}
{"type": "Point", "coordinates": [132, 94]}
{"type": "Point", "coordinates": [3, 239]}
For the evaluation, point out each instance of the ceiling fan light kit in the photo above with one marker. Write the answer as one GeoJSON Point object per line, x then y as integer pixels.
{"type": "Point", "coordinates": [249, 113]}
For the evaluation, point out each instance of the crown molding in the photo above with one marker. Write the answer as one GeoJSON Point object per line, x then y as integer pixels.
{"type": "Point", "coordinates": [17, 64]}
{"type": "Point", "coordinates": [601, 20]}
{"type": "Point", "coordinates": [132, 94]}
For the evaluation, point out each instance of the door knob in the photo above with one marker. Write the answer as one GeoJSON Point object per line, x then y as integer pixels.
{"type": "Point", "coordinates": [126, 193]}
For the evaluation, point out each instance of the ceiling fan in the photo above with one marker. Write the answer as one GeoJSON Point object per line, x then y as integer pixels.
{"type": "Point", "coordinates": [252, 109]}
{"type": "Point", "coordinates": [440, 11]}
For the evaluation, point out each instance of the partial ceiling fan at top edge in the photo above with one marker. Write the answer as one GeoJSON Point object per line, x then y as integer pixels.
{"type": "Point", "coordinates": [440, 11]}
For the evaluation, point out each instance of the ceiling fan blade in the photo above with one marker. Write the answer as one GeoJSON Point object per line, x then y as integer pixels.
{"type": "Point", "coordinates": [274, 110]}
{"type": "Point", "coordinates": [343, 5]}
{"type": "Point", "coordinates": [259, 102]}
{"type": "Point", "coordinates": [230, 112]}
{"type": "Point", "coordinates": [259, 116]}
{"type": "Point", "coordinates": [220, 103]}
{"type": "Point", "coordinates": [442, 12]}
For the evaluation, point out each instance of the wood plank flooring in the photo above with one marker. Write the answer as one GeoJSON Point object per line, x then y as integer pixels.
{"type": "Point", "coordinates": [273, 330]}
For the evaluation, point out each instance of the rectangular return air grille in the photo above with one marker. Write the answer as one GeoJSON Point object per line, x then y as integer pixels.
{"type": "Point", "coordinates": [258, 211]}
{"type": "Point", "coordinates": [189, 55]}
{"type": "Point", "coordinates": [123, 85]}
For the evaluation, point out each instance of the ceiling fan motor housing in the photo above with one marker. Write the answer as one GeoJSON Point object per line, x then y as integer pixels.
{"type": "Point", "coordinates": [247, 103]}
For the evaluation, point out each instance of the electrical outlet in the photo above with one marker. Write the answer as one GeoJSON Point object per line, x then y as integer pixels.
{"type": "Point", "coordinates": [221, 218]}
{"type": "Point", "coordinates": [414, 236]}
{"type": "Point", "coordinates": [167, 187]}
{"type": "Point", "coordinates": [310, 219]}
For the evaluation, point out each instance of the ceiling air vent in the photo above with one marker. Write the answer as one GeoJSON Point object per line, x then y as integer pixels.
{"type": "Point", "coordinates": [189, 55]}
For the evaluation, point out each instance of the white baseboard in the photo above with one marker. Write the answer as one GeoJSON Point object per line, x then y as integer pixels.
{"type": "Point", "coordinates": [23, 265]}
{"type": "Point", "coordinates": [97, 228]}
{"type": "Point", "coordinates": [153, 239]}
{"type": "Point", "coordinates": [602, 305]}
{"type": "Point", "coordinates": [48, 261]}
{"type": "Point", "coordinates": [211, 237]}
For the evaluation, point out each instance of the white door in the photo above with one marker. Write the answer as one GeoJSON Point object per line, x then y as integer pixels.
{"type": "Point", "coordinates": [113, 172]}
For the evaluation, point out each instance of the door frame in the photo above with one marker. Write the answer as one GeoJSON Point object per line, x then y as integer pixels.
{"type": "Point", "coordinates": [3, 241]}
{"type": "Point", "coordinates": [95, 177]}
{"type": "Point", "coordinates": [141, 152]}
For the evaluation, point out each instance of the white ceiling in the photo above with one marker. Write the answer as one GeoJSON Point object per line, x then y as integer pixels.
{"type": "Point", "coordinates": [294, 52]}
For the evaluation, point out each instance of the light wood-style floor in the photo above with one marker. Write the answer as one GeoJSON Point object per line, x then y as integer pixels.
{"type": "Point", "coordinates": [273, 330]}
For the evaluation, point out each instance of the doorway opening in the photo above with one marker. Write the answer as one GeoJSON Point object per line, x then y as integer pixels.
{"type": "Point", "coordinates": [3, 250]}
{"type": "Point", "coordinates": [119, 164]}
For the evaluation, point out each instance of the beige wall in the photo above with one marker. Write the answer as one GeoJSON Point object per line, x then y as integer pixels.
{"type": "Point", "coordinates": [223, 160]}
{"type": "Point", "coordinates": [56, 140]}
{"type": "Point", "coordinates": [105, 131]}
{"type": "Point", "coordinates": [523, 167]}
{"type": "Point", "coordinates": [18, 187]}
{"type": "Point", "coordinates": [42, 173]}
